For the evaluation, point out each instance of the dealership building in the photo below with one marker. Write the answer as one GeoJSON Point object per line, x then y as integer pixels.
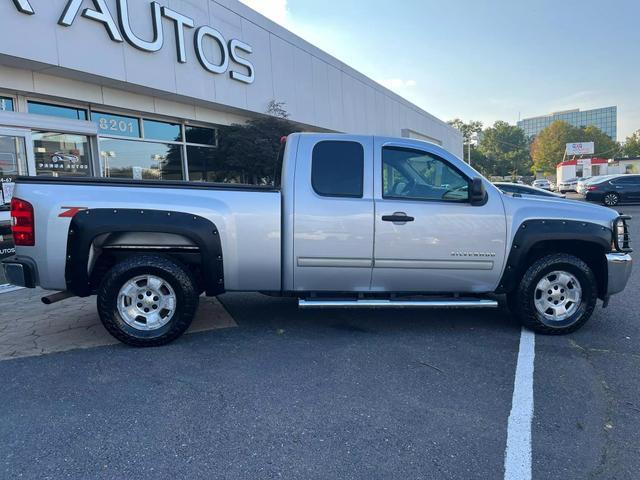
{"type": "Point", "coordinates": [108, 87]}
{"type": "Point", "coordinates": [112, 88]}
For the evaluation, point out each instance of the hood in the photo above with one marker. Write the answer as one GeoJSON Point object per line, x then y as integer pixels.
{"type": "Point", "coordinates": [520, 209]}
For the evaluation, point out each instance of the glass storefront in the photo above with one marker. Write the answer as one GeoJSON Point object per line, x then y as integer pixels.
{"type": "Point", "coordinates": [61, 154]}
{"type": "Point", "coordinates": [140, 160]}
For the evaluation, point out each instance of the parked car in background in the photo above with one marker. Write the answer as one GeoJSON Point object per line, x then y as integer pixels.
{"type": "Point", "coordinates": [526, 190]}
{"type": "Point", "coordinates": [569, 185]}
{"type": "Point", "coordinates": [542, 183]}
{"type": "Point", "coordinates": [581, 188]}
{"type": "Point", "coordinates": [581, 184]}
{"type": "Point", "coordinates": [614, 190]}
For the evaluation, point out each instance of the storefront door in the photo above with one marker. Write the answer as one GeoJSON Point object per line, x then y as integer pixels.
{"type": "Point", "coordinates": [16, 158]}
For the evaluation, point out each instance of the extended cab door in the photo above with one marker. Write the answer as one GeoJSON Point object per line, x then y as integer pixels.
{"type": "Point", "coordinates": [428, 236]}
{"type": "Point", "coordinates": [333, 214]}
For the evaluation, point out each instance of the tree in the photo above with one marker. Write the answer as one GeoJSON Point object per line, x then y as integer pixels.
{"type": "Point", "coordinates": [277, 109]}
{"type": "Point", "coordinates": [506, 148]}
{"type": "Point", "coordinates": [631, 146]}
{"type": "Point", "coordinates": [605, 147]}
{"type": "Point", "coordinates": [468, 130]}
{"type": "Point", "coordinates": [248, 153]}
{"type": "Point", "coordinates": [549, 147]}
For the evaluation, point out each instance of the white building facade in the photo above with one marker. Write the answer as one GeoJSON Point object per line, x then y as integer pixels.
{"type": "Point", "coordinates": [138, 88]}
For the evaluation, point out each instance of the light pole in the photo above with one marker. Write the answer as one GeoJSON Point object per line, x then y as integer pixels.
{"type": "Point", "coordinates": [472, 138]}
{"type": "Point", "coordinates": [105, 163]}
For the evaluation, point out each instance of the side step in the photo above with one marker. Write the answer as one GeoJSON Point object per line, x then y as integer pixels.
{"type": "Point", "coordinates": [383, 303]}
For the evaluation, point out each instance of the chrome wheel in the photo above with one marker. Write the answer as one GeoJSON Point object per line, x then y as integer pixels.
{"type": "Point", "coordinates": [557, 296]}
{"type": "Point", "coordinates": [146, 302]}
{"type": "Point", "coordinates": [611, 199]}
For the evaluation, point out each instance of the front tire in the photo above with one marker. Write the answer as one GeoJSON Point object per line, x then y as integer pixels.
{"type": "Point", "coordinates": [611, 199]}
{"type": "Point", "coordinates": [147, 300]}
{"type": "Point", "coordinates": [556, 295]}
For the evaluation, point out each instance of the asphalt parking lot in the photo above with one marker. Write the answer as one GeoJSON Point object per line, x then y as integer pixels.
{"type": "Point", "coordinates": [282, 393]}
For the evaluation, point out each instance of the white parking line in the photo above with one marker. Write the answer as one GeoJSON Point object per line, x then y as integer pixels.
{"type": "Point", "coordinates": [517, 457]}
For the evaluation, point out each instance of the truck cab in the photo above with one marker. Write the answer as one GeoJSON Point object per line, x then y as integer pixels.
{"type": "Point", "coordinates": [393, 215]}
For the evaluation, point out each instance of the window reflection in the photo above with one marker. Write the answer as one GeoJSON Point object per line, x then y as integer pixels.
{"type": "Point", "coordinates": [201, 135]}
{"type": "Point", "coordinates": [6, 104]}
{"type": "Point", "coordinates": [169, 132]}
{"type": "Point", "coordinates": [61, 154]}
{"type": "Point", "coordinates": [140, 160]}
{"type": "Point", "coordinates": [57, 111]}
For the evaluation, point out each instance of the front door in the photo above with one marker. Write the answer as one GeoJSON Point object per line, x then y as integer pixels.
{"type": "Point", "coordinates": [428, 236]}
{"type": "Point", "coordinates": [333, 219]}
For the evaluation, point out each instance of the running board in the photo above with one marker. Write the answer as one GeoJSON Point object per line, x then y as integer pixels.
{"type": "Point", "coordinates": [375, 303]}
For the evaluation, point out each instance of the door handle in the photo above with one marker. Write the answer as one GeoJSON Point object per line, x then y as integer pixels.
{"type": "Point", "coordinates": [398, 217]}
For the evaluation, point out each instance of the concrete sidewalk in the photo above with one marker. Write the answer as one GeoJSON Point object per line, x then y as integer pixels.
{"type": "Point", "coordinates": [28, 327]}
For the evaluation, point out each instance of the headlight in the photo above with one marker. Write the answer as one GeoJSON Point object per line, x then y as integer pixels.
{"type": "Point", "coordinates": [621, 238]}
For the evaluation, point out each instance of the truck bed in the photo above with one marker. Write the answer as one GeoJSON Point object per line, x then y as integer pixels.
{"type": "Point", "coordinates": [247, 217]}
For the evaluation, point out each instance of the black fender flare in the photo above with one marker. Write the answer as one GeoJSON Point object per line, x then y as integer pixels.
{"type": "Point", "coordinates": [88, 224]}
{"type": "Point", "coordinates": [533, 232]}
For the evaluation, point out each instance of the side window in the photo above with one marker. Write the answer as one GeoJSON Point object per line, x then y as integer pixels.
{"type": "Point", "coordinates": [626, 181]}
{"type": "Point", "coordinates": [411, 174]}
{"type": "Point", "coordinates": [337, 169]}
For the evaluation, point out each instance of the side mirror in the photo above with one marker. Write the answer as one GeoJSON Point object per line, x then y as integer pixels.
{"type": "Point", "coordinates": [478, 194]}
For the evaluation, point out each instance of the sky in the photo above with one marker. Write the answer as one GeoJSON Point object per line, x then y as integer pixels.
{"type": "Point", "coordinates": [483, 60]}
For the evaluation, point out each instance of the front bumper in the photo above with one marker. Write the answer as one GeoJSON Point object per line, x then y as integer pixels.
{"type": "Point", "coordinates": [618, 272]}
{"type": "Point", "coordinates": [20, 272]}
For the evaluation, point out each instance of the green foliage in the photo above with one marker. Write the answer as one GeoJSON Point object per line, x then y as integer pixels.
{"type": "Point", "coordinates": [247, 153]}
{"type": "Point", "coordinates": [468, 130]}
{"type": "Point", "coordinates": [631, 146]}
{"type": "Point", "coordinates": [548, 148]}
{"type": "Point", "coordinates": [605, 146]}
{"type": "Point", "coordinates": [506, 150]}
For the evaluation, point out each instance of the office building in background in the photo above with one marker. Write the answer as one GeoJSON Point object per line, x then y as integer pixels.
{"type": "Point", "coordinates": [606, 119]}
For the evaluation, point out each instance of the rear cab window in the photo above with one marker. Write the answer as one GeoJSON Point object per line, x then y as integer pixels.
{"type": "Point", "coordinates": [337, 169]}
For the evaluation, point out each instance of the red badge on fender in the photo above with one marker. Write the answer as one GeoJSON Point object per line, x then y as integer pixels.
{"type": "Point", "coordinates": [69, 212]}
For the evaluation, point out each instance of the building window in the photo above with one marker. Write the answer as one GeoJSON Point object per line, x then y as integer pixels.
{"type": "Point", "coordinates": [337, 169]}
{"type": "Point", "coordinates": [204, 162]}
{"type": "Point", "coordinates": [170, 132]}
{"type": "Point", "coordinates": [109, 124]}
{"type": "Point", "coordinates": [61, 154]}
{"type": "Point", "coordinates": [201, 135]}
{"type": "Point", "coordinates": [140, 160]}
{"type": "Point", "coordinates": [6, 104]}
{"type": "Point", "coordinates": [56, 110]}
{"type": "Point", "coordinates": [205, 167]}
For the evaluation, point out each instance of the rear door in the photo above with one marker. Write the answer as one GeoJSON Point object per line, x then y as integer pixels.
{"type": "Point", "coordinates": [628, 187]}
{"type": "Point", "coordinates": [333, 214]}
{"type": "Point", "coordinates": [428, 236]}
{"type": "Point", "coordinates": [633, 188]}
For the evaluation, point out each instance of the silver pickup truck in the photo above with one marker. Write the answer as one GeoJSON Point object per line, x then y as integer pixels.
{"type": "Point", "coordinates": [353, 221]}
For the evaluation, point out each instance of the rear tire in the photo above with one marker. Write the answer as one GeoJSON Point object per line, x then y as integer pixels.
{"type": "Point", "coordinates": [556, 295]}
{"type": "Point", "coordinates": [147, 300]}
{"type": "Point", "coordinates": [611, 199]}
